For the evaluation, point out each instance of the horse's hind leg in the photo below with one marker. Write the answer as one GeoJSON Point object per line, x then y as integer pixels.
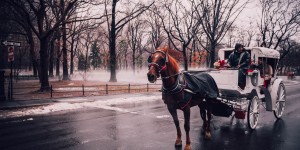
{"type": "Point", "coordinates": [209, 112]}
{"type": "Point", "coordinates": [173, 112]}
{"type": "Point", "coordinates": [187, 113]}
{"type": "Point", "coordinates": [203, 116]}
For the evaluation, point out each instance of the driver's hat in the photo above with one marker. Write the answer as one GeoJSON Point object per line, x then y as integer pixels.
{"type": "Point", "coordinates": [238, 45]}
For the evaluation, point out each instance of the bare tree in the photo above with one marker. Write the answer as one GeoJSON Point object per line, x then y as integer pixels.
{"type": "Point", "coordinates": [183, 25]}
{"type": "Point", "coordinates": [87, 39]}
{"type": "Point", "coordinates": [245, 35]}
{"type": "Point", "coordinates": [216, 19]}
{"type": "Point", "coordinates": [279, 21]}
{"type": "Point", "coordinates": [116, 23]}
{"type": "Point", "coordinates": [37, 22]}
{"type": "Point", "coordinates": [231, 36]}
{"type": "Point", "coordinates": [19, 26]}
{"type": "Point", "coordinates": [135, 32]}
{"type": "Point", "coordinates": [290, 54]}
{"type": "Point", "coordinates": [156, 35]}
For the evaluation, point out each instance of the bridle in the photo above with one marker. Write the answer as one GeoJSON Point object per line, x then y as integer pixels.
{"type": "Point", "coordinates": [160, 68]}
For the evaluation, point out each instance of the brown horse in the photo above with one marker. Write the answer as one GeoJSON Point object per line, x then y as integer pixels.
{"type": "Point", "coordinates": [164, 65]}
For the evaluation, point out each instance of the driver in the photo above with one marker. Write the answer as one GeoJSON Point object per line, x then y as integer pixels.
{"type": "Point", "coordinates": [240, 59]}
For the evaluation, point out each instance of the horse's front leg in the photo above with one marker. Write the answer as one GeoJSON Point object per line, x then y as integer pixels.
{"type": "Point", "coordinates": [186, 113]}
{"type": "Point", "coordinates": [173, 112]}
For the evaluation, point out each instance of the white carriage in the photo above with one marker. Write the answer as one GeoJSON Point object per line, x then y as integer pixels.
{"type": "Point", "coordinates": [248, 102]}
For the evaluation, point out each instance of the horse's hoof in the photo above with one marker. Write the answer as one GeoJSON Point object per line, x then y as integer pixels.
{"type": "Point", "coordinates": [178, 143]}
{"type": "Point", "coordinates": [207, 136]}
{"type": "Point", "coordinates": [187, 147]}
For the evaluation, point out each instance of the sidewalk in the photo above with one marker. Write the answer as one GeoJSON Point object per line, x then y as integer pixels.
{"type": "Point", "coordinates": [5, 105]}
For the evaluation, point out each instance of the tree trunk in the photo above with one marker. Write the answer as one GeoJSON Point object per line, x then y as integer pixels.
{"type": "Point", "coordinates": [64, 40]}
{"type": "Point", "coordinates": [33, 56]}
{"type": "Point", "coordinates": [212, 54]}
{"type": "Point", "coordinates": [141, 57]}
{"type": "Point", "coordinates": [2, 79]}
{"type": "Point", "coordinates": [65, 54]}
{"type": "Point", "coordinates": [86, 58]}
{"type": "Point", "coordinates": [72, 57]}
{"type": "Point", "coordinates": [185, 57]}
{"type": "Point", "coordinates": [51, 58]}
{"type": "Point", "coordinates": [44, 64]}
{"type": "Point", "coordinates": [133, 60]}
{"type": "Point", "coordinates": [126, 63]}
{"type": "Point", "coordinates": [112, 44]}
{"type": "Point", "coordinates": [191, 57]}
{"type": "Point", "coordinates": [58, 53]}
{"type": "Point", "coordinates": [30, 66]}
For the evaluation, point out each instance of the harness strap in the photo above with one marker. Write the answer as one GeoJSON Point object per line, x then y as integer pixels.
{"type": "Point", "coordinates": [160, 68]}
{"type": "Point", "coordinates": [177, 87]}
{"type": "Point", "coordinates": [167, 77]}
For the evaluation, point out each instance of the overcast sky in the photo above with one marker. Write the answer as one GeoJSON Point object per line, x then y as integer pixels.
{"type": "Point", "coordinates": [251, 12]}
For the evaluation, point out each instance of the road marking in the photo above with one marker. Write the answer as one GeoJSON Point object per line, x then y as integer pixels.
{"type": "Point", "coordinates": [163, 116]}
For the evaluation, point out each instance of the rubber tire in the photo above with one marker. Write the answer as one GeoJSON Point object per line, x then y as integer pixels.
{"type": "Point", "coordinates": [252, 117]}
{"type": "Point", "coordinates": [280, 101]}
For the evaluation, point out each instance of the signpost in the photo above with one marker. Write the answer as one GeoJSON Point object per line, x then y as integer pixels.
{"type": "Point", "coordinates": [10, 53]}
{"type": "Point", "coordinates": [10, 50]}
{"type": "Point", "coordinates": [11, 43]}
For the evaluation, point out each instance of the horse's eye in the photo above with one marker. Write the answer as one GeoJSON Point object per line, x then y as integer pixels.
{"type": "Point", "coordinates": [149, 59]}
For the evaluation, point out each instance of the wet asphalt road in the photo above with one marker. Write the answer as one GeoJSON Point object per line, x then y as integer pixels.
{"type": "Point", "coordinates": [148, 126]}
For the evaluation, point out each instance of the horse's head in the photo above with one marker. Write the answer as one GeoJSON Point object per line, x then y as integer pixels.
{"type": "Point", "coordinates": [156, 63]}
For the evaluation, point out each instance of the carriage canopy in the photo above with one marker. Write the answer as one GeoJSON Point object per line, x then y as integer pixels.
{"type": "Point", "coordinates": [255, 52]}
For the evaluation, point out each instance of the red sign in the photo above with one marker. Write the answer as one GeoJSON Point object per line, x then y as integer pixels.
{"type": "Point", "coordinates": [10, 53]}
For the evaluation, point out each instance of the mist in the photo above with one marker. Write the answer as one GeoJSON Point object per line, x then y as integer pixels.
{"type": "Point", "coordinates": [123, 76]}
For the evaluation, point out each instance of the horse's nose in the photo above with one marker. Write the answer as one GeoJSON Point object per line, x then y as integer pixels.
{"type": "Point", "coordinates": [151, 77]}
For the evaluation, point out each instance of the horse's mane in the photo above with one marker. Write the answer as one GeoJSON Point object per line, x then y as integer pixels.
{"type": "Point", "coordinates": [172, 61]}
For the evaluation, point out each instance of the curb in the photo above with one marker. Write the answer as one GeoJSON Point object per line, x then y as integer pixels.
{"type": "Point", "coordinates": [23, 106]}
{"type": "Point", "coordinates": [10, 105]}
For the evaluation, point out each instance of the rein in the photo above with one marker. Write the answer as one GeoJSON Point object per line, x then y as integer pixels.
{"type": "Point", "coordinates": [167, 77]}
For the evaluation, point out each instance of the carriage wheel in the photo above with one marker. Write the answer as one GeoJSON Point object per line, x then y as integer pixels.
{"type": "Point", "coordinates": [280, 101]}
{"type": "Point", "coordinates": [253, 112]}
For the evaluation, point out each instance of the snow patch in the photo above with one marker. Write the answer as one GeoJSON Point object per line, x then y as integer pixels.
{"type": "Point", "coordinates": [63, 105]}
{"type": "Point", "coordinates": [163, 116]}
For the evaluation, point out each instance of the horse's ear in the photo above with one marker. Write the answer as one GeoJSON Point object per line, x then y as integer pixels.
{"type": "Point", "coordinates": [167, 58]}
{"type": "Point", "coordinates": [167, 53]}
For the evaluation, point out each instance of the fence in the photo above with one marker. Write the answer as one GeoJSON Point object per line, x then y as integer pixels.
{"type": "Point", "coordinates": [31, 92]}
